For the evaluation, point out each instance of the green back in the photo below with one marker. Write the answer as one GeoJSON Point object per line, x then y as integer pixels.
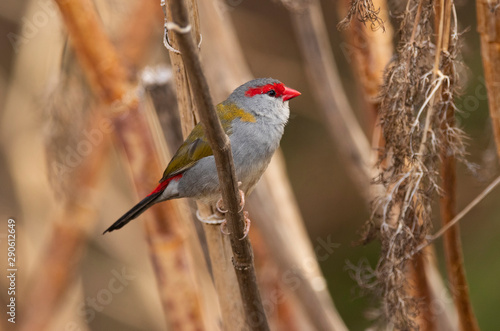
{"type": "Point", "coordinates": [196, 146]}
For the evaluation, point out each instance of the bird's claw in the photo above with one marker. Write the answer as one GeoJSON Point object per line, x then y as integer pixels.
{"type": "Point", "coordinates": [220, 203]}
{"type": "Point", "coordinates": [242, 199]}
{"type": "Point", "coordinates": [247, 221]}
{"type": "Point", "coordinates": [221, 209]}
{"type": "Point", "coordinates": [220, 206]}
{"type": "Point", "coordinates": [223, 226]}
{"type": "Point", "coordinates": [247, 225]}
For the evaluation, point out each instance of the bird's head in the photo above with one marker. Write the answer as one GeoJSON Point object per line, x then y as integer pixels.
{"type": "Point", "coordinates": [264, 97]}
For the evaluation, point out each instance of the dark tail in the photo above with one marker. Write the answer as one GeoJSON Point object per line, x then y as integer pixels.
{"type": "Point", "coordinates": [133, 213]}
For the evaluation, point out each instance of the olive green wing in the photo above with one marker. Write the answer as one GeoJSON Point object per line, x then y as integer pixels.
{"type": "Point", "coordinates": [196, 146]}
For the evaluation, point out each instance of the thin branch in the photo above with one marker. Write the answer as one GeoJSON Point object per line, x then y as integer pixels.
{"type": "Point", "coordinates": [218, 246]}
{"type": "Point", "coordinates": [221, 147]}
{"type": "Point", "coordinates": [453, 246]}
{"type": "Point", "coordinates": [368, 52]}
{"type": "Point", "coordinates": [461, 214]}
{"type": "Point", "coordinates": [158, 82]}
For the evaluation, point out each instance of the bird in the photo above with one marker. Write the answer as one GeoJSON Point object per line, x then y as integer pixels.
{"type": "Point", "coordinates": [254, 117]}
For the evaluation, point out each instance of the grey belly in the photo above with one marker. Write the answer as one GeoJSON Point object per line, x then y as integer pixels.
{"type": "Point", "coordinates": [201, 181]}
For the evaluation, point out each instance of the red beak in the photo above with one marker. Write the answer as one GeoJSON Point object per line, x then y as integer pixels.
{"type": "Point", "coordinates": [290, 93]}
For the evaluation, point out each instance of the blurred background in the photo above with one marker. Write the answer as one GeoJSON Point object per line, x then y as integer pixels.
{"type": "Point", "coordinates": [33, 50]}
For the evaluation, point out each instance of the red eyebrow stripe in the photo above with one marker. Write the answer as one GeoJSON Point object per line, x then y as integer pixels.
{"type": "Point", "coordinates": [279, 88]}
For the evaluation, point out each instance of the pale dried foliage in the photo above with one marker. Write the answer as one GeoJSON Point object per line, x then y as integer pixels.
{"type": "Point", "coordinates": [419, 86]}
{"type": "Point", "coordinates": [364, 11]}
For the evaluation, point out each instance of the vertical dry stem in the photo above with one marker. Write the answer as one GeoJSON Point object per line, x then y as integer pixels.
{"type": "Point", "coordinates": [453, 248]}
{"type": "Point", "coordinates": [219, 247]}
{"type": "Point", "coordinates": [369, 52]}
{"type": "Point", "coordinates": [409, 160]}
{"type": "Point", "coordinates": [488, 26]}
{"type": "Point", "coordinates": [452, 242]}
{"type": "Point", "coordinates": [221, 147]}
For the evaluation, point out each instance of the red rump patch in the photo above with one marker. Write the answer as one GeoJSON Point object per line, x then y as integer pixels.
{"type": "Point", "coordinates": [279, 88]}
{"type": "Point", "coordinates": [164, 184]}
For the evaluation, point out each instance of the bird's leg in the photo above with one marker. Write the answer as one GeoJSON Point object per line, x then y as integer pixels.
{"type": "Point", "coordinates": [220, 203]}
{"type": "Point", "coordinates": [222, 210]}
{"type": "Point", "coordinates": [220, 206]}
{"type": "Point", "coordinates": [214, 219]}
{"type": "Point", "coordinates": [247, 224]}
{"type": "Point", "coordinates": [242, 200]}
{"type": "Point", "coordinates": [247, 221]}
{"type": "Point", "coordinates": [223, 226]}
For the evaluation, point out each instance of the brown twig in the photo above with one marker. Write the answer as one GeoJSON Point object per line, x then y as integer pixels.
{"type": "Point", "coordinates": [453, 247]}
{"type": "Point", "coordinates": [419, 285]}
{"type": "Point", "coordinates": [221, 147]}
{"type": "Point", "coordinates": [452, 243]}
{"type": "Point", "coordinates": [458, 217]}
{"type": "Point", "coordinates": [219, 247]}
{"type": "Point", "coordinates": [161, 91]}
{"type": "Point", "coordinates": [369, 52]}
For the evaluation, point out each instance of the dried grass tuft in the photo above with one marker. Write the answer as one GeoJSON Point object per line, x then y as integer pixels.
{"type": "Point", "coordinates": [364, 11]}
{"type": "Point", "coordinates": [419, 88]}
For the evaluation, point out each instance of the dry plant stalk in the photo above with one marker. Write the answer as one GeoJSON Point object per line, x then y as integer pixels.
{"type": "Point", "coordinates": [371, 51]}
{"type": "Point", "coordinates": [108, 78]}
{"type": "Point", "coordinates": [159, 84]}
{"type": "Point", "coordinates": [488, 26]}
{"type": "Point", "coordinates": [364, 11]}
{"type": "Point", "coordinates": [312, 37]}
{"type": "Point", "coordinates": [226, 68]}
{"type": "Point", "coordinates": [452, 242]}
{"type": "Point", "coordinates": [221, 147]}
{"type": "Point", "coordinates": [219, 247]}
{"type": "Point", "coordinates": [414, 103]}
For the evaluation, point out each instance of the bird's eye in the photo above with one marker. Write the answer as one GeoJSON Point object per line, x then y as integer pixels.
{"type": "Point", "coordinates": [271, 93]}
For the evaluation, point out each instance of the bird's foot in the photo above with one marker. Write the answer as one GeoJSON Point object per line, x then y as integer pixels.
{"type": "Point", "coordinates": [223, 226]}
{"type": "Point", "coordinates": [214, 219]}
{"type": "Point", "coordinates": [220, 206]}
{"type": "Point", "coordinates": [242, 199]}
{"type": "Point", "coordinates": [222, 209]}
{"type": "Point", "coordinates": [247, 225]}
